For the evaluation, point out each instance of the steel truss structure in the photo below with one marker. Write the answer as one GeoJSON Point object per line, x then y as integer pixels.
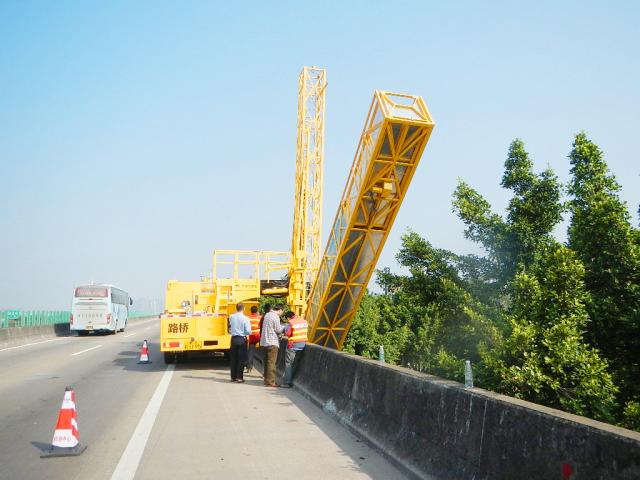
{"type": "Point", "coordinates": [395, 134]}
{"type": "Point", "coordinates": [307, 208]}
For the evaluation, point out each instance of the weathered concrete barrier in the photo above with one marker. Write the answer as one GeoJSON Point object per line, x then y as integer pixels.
{"type": "Point", "coordinates": [17, 335]}
{"type": "Point", "coordinates": [14, 336]}
{"type": "Point", "coordinates": [436, 428]}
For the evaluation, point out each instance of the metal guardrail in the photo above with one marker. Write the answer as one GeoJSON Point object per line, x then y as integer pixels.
{"type": "Point", "coordinates": [32, 318]}
{"type": "Point", "coordinates": [35, 318]}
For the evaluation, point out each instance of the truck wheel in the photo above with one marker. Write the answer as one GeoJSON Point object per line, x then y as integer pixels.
{"type": "Point", "coordinates": [169, 357]}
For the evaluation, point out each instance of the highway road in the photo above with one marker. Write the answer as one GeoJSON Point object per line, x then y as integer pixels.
{"type": "Point", "coordinates": [155, 422]}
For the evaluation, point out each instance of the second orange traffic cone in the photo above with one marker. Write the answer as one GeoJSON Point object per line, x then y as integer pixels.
{"type": "Point", "coordinates": [144, 353]}
{"type": "Point", "coordinates": [66, 438]}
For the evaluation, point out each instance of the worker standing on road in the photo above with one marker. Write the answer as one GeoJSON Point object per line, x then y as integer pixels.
{"type": "Point", "coordinates": [270, 341]}
{"type": "Point", "coordinates": [267, 309]}
{"type": "Point", "coordinates": [296, 330]}
{"type": "Point", "coordinates": [239, 329]}
{"type": "Point", "coordinates": [254, 338]}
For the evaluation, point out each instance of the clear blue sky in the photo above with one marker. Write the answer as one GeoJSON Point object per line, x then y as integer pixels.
{"type": "Point", "coordinates": [135, 137]}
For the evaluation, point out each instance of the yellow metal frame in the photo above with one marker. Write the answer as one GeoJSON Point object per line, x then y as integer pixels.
{"type": "Point", "coordinates": [395, 134]}
{"type": "Point", "coordinates": [264, 262]}
{"type": "Point", "coordinates": [306, 237]}
{"type": "Point", "coordinates": [234, 289]}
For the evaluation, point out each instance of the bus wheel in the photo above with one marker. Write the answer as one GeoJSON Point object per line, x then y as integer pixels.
{"type": "Point", "coordinates": [169, 357]}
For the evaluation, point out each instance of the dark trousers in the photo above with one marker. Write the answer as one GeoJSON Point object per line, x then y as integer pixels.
{"type": "Point", "coordinates": [251, 352]}
{"type": "Point", "coordinates": [270, 357]}
{"type": "Point", "coordinates": [237, 355]}
{"type": "Point", "coordinates": [291, 361]}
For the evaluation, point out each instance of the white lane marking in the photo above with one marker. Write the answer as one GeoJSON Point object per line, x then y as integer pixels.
{"type": "Point", "coordinates": [128, 464]}
{"type": "Point", "coordinates": [34, 343]}
{"type": "Point", "coordinates": [130, 335]}
{"type": "Point", "coordinates": [87, 350]}
{"type": "Point", "coordinates": [134, 325]}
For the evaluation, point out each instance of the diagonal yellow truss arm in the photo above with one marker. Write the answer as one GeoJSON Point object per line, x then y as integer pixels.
{"type": "Point", "coordinates": [395, 134]}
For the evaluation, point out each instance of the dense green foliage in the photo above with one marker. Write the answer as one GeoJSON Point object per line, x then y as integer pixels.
{"type": "Point", "coordinates": [540, 320]}
{"type": "Point", "coordinates": [609, 247]}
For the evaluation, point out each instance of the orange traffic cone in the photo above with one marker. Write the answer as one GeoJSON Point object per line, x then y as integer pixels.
{"type": "Point", "coordinates": [144, 353]}
{"type": "Point", "coordinates": [66, 439]}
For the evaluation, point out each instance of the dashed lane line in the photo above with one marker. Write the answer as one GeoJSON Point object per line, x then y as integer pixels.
{"type": "Point", "coordinates": [33, 343]}
{"type": "Point", "coordinates": [130, 335]}
{"type": "Point", "coordinates": [87, 350]}
{"type": "Point", "coordinates": [128, 464]}
{"type": "Point", "coordinates": [30, 344]}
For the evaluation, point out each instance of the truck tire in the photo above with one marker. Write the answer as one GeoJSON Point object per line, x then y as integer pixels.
{"type": "Point", "coordinates": [169, 357]}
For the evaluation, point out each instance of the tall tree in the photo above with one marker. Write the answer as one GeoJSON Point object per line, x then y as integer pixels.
{"type": "Point", "coordinates": [534, 210]}
{"type": "Point", "coordinates": [544, 358]}
{"type": "Point", "coordinates": [609, 246]}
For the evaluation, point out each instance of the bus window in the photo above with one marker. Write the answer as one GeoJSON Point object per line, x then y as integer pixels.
{"type": "Point", "coordinates": [91, 291]}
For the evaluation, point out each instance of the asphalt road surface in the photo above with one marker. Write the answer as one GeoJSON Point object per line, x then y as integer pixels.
{"type": "Point", "coordinates": [156, 422]}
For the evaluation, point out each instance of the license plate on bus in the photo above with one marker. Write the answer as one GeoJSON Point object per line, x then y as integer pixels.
{"type": "Point", "coordinates": [193, 345]}
{"type": "Point", "coordinates": [89, 327]}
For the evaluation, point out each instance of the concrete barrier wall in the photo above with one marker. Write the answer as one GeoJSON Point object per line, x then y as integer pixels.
{"type": "Point", "coordinates": [436, 428]}
{"type": "Point", "coordinates": [15, 336]}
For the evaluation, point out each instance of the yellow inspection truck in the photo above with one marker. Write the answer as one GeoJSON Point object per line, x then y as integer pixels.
{"type": "Point", "coordinates": [195, 313]}
{"type": "Point", "coordinates": [189, 322]}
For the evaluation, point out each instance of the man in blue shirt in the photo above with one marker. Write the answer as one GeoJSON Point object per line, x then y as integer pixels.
{"type": "Point", "coordinates": [239, 329]}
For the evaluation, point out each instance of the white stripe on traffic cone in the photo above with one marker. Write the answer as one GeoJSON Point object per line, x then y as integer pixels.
{"type": "Point", "coordinates": [144, 353]}
{"type": "Point", "coordinates": [66, 437]}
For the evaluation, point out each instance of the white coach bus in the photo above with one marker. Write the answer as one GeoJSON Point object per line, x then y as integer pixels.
{"type": "Point", "coordinates": [99, 308]}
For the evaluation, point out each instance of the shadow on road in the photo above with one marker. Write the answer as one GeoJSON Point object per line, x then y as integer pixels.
{"type": "Point", "coordinates": [41, 446]}
{"type": "Point", "coordinates": [193, 361]}
{"type": "Point", "coordinates": [350, 444]}
{"type": "Point", "coordinates": [128, 359]}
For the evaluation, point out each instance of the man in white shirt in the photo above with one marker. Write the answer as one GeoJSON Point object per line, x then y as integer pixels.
{"type": "Point", "coordinates": [240, 329]}
{"type": "Point", "coordinates": [270, 341]}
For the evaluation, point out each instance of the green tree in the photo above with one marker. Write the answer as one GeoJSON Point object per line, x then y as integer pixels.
{"type": "Point", "coordinates": [602, 235]}
{"type": "Point", "coordinates": [545, 358]}
{"type": "Point", "coordinates": [433, 311]}
{"type": "Point", "coordinates": [363, 338]}
{"type": "Point", "coordinates": [534, 210]}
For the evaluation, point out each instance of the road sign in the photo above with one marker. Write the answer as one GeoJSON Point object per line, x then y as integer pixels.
{"type": "Point", "coordinates": [12, 314]}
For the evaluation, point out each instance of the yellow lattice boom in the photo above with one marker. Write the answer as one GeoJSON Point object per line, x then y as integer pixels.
{"type": "Point", "coordinates": [307, 207]}
{"type": "Point", "coordinates": [395, 134]}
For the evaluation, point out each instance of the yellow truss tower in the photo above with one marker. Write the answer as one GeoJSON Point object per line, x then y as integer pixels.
{"type": "Point", "coordinates": [307, 208]}
{"type": "Point", "coordinates": [395, 134]}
